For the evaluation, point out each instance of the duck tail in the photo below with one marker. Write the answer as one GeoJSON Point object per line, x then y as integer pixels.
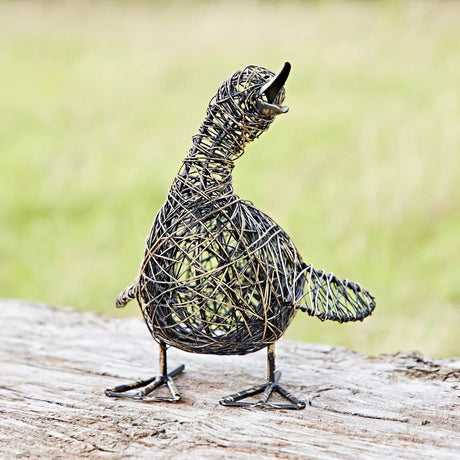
{"type": "Point", "coordinates": [126, 295]}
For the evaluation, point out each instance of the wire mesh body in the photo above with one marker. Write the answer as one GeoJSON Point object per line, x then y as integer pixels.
{"type": "Point", "coordinates": [224, 283]}
{"type": "Point", "coordinates": [219, 276]}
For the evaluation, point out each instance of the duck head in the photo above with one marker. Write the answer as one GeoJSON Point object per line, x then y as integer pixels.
{"type": "Point", "coordinates": [243, 108]}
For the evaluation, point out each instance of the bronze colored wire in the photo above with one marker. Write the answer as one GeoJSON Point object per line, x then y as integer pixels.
{"type": "Point", "coordinates": [220, 276]}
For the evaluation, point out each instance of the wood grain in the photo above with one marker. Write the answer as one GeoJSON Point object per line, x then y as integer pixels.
{"type": "Point", "coordinates": [55, 364]}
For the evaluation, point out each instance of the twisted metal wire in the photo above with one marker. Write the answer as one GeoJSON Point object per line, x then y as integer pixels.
{"type": "Point", "coordinates": [219, 276]}
{"type": "Point", "coordinates": [330, 298]}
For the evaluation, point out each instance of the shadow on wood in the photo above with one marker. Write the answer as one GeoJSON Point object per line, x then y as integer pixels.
{"type": "Point", "coordinates": [56, 363]}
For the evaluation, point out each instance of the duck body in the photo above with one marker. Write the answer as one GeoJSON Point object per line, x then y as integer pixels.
{"type": "Point", "coordinates": [219, 276]}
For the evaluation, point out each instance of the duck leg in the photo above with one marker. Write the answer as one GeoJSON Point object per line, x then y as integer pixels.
{"type": "Point", "coordinates": [266, 389]}
{"type": "Point", "coordinates": [148, 385]}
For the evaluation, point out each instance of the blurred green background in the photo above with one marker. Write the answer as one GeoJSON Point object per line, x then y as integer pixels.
{"type": "Point", "coordinates": [99, 100]}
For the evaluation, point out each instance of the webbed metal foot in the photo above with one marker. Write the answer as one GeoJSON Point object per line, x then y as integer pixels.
{"type": "Point", "coordinates": [149, 385]}
{"type": "Point", "coordinates": [267, 389]}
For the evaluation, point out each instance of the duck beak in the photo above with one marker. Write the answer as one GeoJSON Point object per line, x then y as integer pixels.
{"type": "Point", "coordinates": [271, 89]}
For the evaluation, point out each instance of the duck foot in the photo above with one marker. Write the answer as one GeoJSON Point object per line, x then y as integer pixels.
{"type": "Point", "coordinates": [148, 386]}
{"type": "Point", "coordinates": [267, 388]}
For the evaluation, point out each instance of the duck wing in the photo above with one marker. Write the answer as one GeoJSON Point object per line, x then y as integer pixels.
{"type": "Point", "coordinates": [330, 298]}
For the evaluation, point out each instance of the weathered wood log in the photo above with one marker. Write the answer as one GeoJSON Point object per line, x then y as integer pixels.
{"type": "Point", "coordinates": [55, 364]}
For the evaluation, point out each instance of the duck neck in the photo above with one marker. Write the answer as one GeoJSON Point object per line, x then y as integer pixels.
{"type": "Point", "coordinates": [209, 163]}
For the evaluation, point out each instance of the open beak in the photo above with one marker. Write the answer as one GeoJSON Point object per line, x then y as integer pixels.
{"type": "Point", "coordinates": [271, 89]}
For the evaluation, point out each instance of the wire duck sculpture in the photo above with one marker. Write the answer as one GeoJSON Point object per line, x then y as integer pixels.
{"type": "Point", "coordinates": [219, 276]}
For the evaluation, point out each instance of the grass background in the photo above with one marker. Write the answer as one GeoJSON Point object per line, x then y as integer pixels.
{"type": "Point", "coordinates": [99, 100]}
